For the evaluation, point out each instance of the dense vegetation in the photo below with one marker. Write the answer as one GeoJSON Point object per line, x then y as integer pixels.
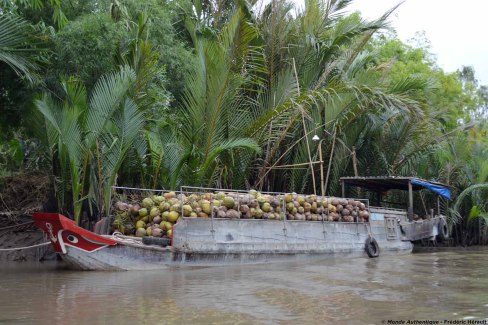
{"type": "Point", "coordinates": [226, 94]}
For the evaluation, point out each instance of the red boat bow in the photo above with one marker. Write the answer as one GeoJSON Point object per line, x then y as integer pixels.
{"type": "Point", "coordinates": [64, 232]}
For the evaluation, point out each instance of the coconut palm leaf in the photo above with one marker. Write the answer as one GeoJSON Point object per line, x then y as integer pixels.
{"type": "Point", "coordinates": [17, 46]}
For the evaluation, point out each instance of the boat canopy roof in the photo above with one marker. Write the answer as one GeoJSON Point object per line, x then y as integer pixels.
{"type": "Point", "coordinates": [386, 183]}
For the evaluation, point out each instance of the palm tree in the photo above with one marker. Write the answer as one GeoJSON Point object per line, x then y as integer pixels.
{"type": "Point", "coordinates": [90, 137]}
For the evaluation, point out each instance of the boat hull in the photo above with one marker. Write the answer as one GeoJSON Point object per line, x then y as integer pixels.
{"type": "Point", "coordinates": [217, 242]}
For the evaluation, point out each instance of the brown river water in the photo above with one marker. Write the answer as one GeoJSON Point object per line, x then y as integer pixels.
{"type": "Point", "coordinates": [421, 288]}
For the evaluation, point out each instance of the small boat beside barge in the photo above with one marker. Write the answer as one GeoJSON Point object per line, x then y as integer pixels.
{"type": "Point", "coordinates": [220, 241]}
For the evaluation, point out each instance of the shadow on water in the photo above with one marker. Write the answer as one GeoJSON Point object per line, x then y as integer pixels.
{"type": "Point", "coordinates": [433, 286]}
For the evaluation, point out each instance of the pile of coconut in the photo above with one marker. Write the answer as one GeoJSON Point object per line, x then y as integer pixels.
{"type": "Point", "coordinates": [155, 215]}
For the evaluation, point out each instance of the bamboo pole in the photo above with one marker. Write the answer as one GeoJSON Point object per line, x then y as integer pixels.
{"type": "Point", "coordinates": [330, 161]}
{"type": "Point", "coordinates": [305, 131]}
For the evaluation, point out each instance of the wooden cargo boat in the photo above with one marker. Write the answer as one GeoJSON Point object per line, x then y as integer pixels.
{"type": "Point", "coordinates": [215, 242]}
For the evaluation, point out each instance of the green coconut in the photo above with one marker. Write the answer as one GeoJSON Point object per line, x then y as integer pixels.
{"type": "Point", "coordinates": [206, 207]}
{"type": "Point", "coordinates": [142, 212]}
{"type": "Point", "coordinates": [157, 199]}
{"type": "Point", "coordinates": [149, 231]}
{"type": "Point", "coordinates": [147, 203]}
{"type": "Point", "coordinates": [220, 196]}
{"type": "Point", "coordinates": [266, 207]}
{"type": "Point", "coordinates": [173, 216]}
{"type": "Point", "coordinates": [288, 197]}
{"type": "Point", "coordinates": [140, 224]}
{"type": "Point", "coordinates": [187, 210]}
{"type": "Point", "coordinates": [154, 212]}
{"type": "Point", "coordinates": [164, 206]}
{"type": "Point", "coordinates": [140, 232]}
{"type": "Point", "coordinates": [228, 202]}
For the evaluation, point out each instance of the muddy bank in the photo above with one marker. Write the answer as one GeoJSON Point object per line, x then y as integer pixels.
{"type": "Point", "coordinates": [20, 196]}
{"type": "Point", "coordinates": [22, 233]}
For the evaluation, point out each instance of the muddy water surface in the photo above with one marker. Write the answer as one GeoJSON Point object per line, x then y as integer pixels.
{"type": "Point", "coordinates": [433, 286]}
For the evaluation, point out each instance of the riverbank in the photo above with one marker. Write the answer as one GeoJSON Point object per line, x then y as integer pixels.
{"type": "Point", "coordinates": [22, 233]}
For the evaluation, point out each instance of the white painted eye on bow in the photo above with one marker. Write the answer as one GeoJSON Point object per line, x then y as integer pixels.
{"type": "Point", "coordinates": [72, 239]}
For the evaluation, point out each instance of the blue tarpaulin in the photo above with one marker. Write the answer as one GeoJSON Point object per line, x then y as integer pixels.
{"type": "Point", "coordinates": [439, 189]}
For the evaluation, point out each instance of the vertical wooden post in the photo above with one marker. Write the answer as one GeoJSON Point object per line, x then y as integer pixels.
{"type": "Point", "coordinates": [410, 201]}
{"type": "Point", "coordinates": [438, 205]}
{"type": "Point", "coordinates": [322, 188]}
{"type": "Point", "coordinates": [354, 161]}
{"type": "Point", "coordinates": [343, 188]}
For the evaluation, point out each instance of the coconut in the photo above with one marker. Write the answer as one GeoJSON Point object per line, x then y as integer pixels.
{"type": "Point", "coordinates": [143, 212]}
{"type": "Point", "coordinates": [300, 200]}
{"type": "Point", "coordinates": [157, 219]}
{"type": "Point", "coordinates": [330, 217]}
{"type": "Point", "coordinates": [140, 232]}
{"type": "Point", "coordinates": [348, 219]}
{"type": "Point", "coordinates": [169, 233]}
{"type": "Point", "coordinates": [221, 214]}
{"type": "Point", "coordinates": [157, 199]}
{"type": "Point", "coordinates": [145, 219]}
{"type": "Point", "coordinates": [134, 210]}
{"type": "Point", "coordinates": [336, 216]}
{"type": "Point", "coordinates": [206, 207]}
{"type": "Point", "coordinates": [169, 195]}
{"type": "Point", "coordinates": [202, 215]}
{"type": "Point", "coordinates": [307, 206]}
{"type": "Point", "coordinates": [216, 203]}
{"type": "Point", "coordinates": [154, 212]}
{"type": "Point", "coordinates": [301, 210]}
{"type": "Point", "coordinates": [314, 217]}
{"type": "Point", "coordinates": [362, 206]}
{"type": "Point", "coordinates": [147, 203]}
{"type": "Point", "coordinates": [164, 206]}
{"type": "Point", "coordinates": [165, 225]}
{"type": "Point", "coordinates": [266, 207]}
{"type": "Point", "coordinates": [253, 203]}
{"type": "Point", "coordinates": [173, 216]}
{"type": "Point", "coordinates": [253, 193]}
{"type": "Point", "coordinates": [164, 215]}
{"type": "Point", "coordinates": [187, 210]}
{"type": "Point", "coordinates": [157, 232]}
{"type": "Point", "coordinates": [175, 207]}
{"type": "Point", "coordinates": [259, 213]}
{"type": "Point", "coordinates": [289, 206]}
{"type": "Point", "coordinates": [222, 208]}
{"type": "Point", "coordinates": [345, 212]}
{"type": "Point", "coordinates": [339, 208]}
{"type": "Point", "coordinates": [244, 208]}
{"type": "Point", "coordinates": [140, 224]}
{"type": "Point", "coordinates": [313, 207]}
{"type": "Point", "coordinates": [228, 202]}
{"type": "Point", "coordinates": [193, 215]}
{"type": "Point", "coordinates": [121, 206]}
{"type": "Point", "coordinates": [220, 195]}
{"type": "Point", "coordinates": [288, 197]}
{"type": "Point", "coordinates": [232, 214]}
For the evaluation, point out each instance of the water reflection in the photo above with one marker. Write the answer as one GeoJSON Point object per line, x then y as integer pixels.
{"type": "Point", "coordinates": [434, 285]}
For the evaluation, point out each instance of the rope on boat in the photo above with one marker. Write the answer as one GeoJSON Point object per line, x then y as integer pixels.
{"type": "Point", "coordinates": [25, 247]}
{"type": "Point", "coordinates": [118, 236]}
{"type": "Point", "coordinates": [18, 225]}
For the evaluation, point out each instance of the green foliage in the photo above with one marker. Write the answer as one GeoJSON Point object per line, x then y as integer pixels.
{"type": "Point", "coordinates": [87, 48]}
